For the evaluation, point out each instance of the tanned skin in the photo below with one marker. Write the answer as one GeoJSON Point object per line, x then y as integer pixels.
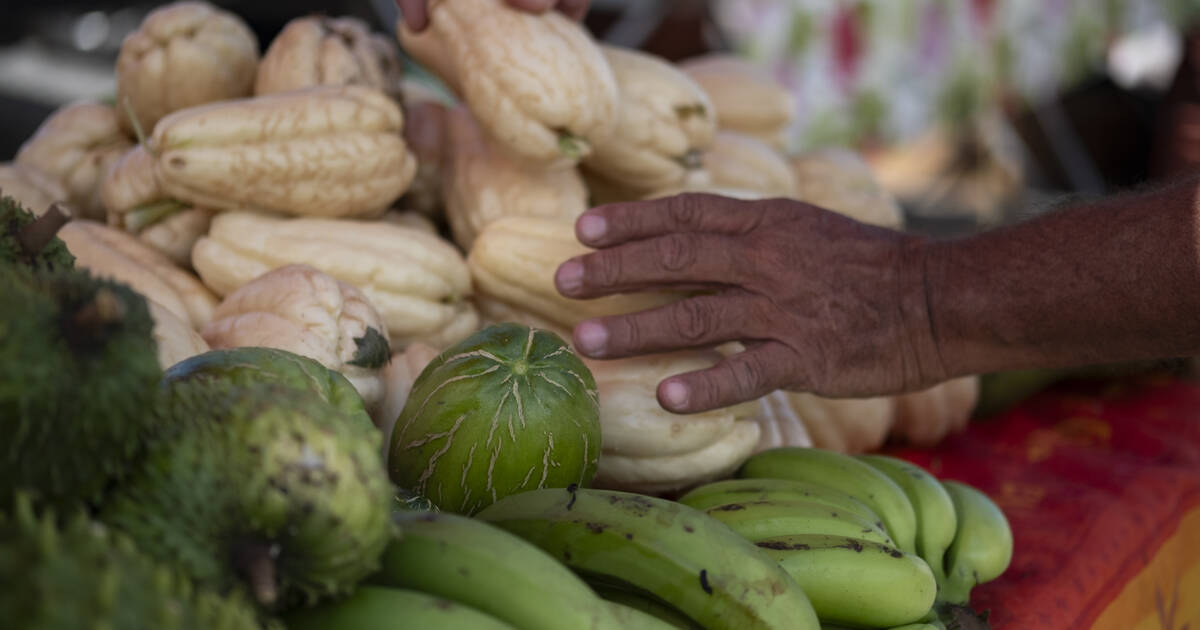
{"type": "Point", "coordinates": [827, 305]}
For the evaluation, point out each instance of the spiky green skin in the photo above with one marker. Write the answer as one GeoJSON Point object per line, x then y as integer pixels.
{"type": "Point", "coordinates": [76, 402]}
{"type": "Point", "coordinates": [78, 575]}
{"type": "Point", "coordinates": [508, 409]}
{"type": "Point", "coordinates": [261, 469]}
{"type": "Point", "coordinates": [240, 367]}
{"type": "Point", "coordinates": [13, 217]}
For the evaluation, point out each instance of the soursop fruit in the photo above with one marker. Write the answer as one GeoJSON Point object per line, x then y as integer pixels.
{"type": "Point", "coordinates": [240, 367]}
{"type": "Point", "coordinates": [77, 573]}
{"type": "Point", "coordinates": [261, 487]}
{"type": "Point", "coordinates": [29, 240]}
{"type": "Point", "coordinates": [78, 379]}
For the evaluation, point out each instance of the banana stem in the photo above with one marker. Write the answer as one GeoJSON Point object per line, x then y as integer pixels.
{"type": "Point", "coordinates": [146, 215]}
{"type": "Point", "coordinates": [956, 617]}
{"type": "Point", "coordinates": [37, 235]}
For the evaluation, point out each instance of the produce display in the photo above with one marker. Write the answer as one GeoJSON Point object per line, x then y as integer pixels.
{"type": "Point", "coordinates": [302, 152]}
{"type": "Point", "coordinates": [184, 54]}
{"type": "Point", "coordinates": [664, 121]}
{"type": "Point", "coordinates": [76, 146]}
{"type": "Point", "coordinates": [280, 347]}
{"type": "Point", "coordinates": [745, 98]}
{"type": "Point", "coordinates": [508, 409]}
{"type": "Point", "coordinates": [481, 183]}
{"type": "Point", "coordinates": [137, 204]}
{"type": "Point", "coordinates": [737, 160]}
{"type": "Point", "coordinates": [298, 308]}
{"type": "Point", "coordinates": [550, 108]}
{"type": "Point", "coordinates": [29, 186]}
{"type": "Point", "coordinates": [417, 281]}
{"type": "Point", "coordinates": [320, 50]}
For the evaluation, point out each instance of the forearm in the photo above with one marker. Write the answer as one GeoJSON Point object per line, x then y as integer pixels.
{"type": "Point", "coordinates": [1107, 281]}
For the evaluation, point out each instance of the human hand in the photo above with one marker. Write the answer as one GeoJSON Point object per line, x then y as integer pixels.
{"type": "Point", "coordinates": [416, 12]}
{"type": "Point", "coordinates": [821, 303]}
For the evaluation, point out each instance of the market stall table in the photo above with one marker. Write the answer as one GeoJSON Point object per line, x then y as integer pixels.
{"type": "Point", "coordinates": [1101, 484]}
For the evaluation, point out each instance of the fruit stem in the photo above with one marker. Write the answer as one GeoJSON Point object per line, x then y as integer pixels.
{"type": "Point", "coordinates": [37, 235]}
{"type": "Point", "coordinates": [146, 215]}
{"type": "Point", "coordinates": [104, 308]}
{"type": "Point", "coordinates": [256, 561]}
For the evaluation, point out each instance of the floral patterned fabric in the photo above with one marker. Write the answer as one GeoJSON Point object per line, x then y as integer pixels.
{"type": "Point", "coordinates": [885, 69]}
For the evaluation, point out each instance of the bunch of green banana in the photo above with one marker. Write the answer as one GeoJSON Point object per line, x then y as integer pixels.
{"type": "Point", "coordinates": [846, 474]}
{"type": "Point", "coordinates": [832, 544]}
{"type": "Point", "coordinates": [937, 520]}
{"type": "Point", "coordinates": [483, 567]}
{"type": "Point", "coordinates": [382, 608]}
{"type": "Point", "coordinates": [947, 536]}
{"type": "Point", "coordinates": [983, 543]}
{"type": "Point", "coordinates": [663, 548]}
{"type": "Point", "coordinates": [734, 490]}
{"type": "Point", "coordinates": [856, 582]}
{"type": "Point", "coordinates": [930, 625]}
{"type": "Point", "coordinates": [631, 598]}
{"type": "Point", "coordinates": [760, 520]}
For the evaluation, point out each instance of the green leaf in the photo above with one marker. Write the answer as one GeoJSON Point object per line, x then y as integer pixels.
{"type": "Point", "coordinates": [373, 351]}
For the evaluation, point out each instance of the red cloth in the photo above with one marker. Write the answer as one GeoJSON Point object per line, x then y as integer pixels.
{"type": "Point", "coordinates": [1093, 477]}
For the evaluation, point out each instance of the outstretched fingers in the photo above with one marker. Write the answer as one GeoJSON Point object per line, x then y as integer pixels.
{"type": "Point", "coordinates": [701, 321]}
{"type": "Point", "coordinates": [739, 378]}
{"type": "Point", "coordinates": [680, 261]}
{"type": "Point", "coordinates": [613, 224]}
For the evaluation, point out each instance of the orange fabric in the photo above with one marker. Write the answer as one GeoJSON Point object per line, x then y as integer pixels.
{"type": "Point", "coordinates": [1101, 484]}
{"type": "Point", "coordinates": [1166, 594]}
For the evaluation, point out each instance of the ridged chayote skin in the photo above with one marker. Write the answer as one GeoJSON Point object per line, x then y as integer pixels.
{"type": "Point", "coordinates": [75, 573]}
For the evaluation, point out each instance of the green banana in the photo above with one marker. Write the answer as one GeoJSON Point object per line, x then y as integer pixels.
{"type": "Point", "coordinates": [634, 619]}
{"type": "Point", "coordinates": [644, 602]}
{"type": "Point", "coordinates": [856, 582]}
{"type": "Point", "coordinates": [672, 551]}
{"type": "Point", "coordinates": [487, 568]}
{"type": "Point", "coordinates": [734, 490]}
{"type": "Point", "coordinates": [380, 608]}
{"type": "Point", "coordinates": [756, 520]}
{"type": "Point", "coordinates": [910, 626]}
{"type": "Point", "coordinates": [936, 519]}
{"type": "Point", "coordinates": [841, 472]}
{"type": "Point", "coordinates": [982, 547]}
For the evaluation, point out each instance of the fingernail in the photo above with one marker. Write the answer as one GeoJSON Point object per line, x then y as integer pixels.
{"type": "Point", "coordinates": [675, 394]}
{"type": "Point", "coordinates": [592, 227]}
{"type": "Point", "coordinates": [591, 337]}
{"type": "Point", "coordinates": [570, 276]}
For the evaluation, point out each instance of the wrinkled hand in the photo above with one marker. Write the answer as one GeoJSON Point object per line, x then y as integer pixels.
{"type": "Point", "coordinates": [416, 12]}
{"type": "Point", "coordinates": [821, 303]}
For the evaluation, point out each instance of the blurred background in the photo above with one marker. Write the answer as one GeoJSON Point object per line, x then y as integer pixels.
{"type": "Point", "coordinates": [973, 112]}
